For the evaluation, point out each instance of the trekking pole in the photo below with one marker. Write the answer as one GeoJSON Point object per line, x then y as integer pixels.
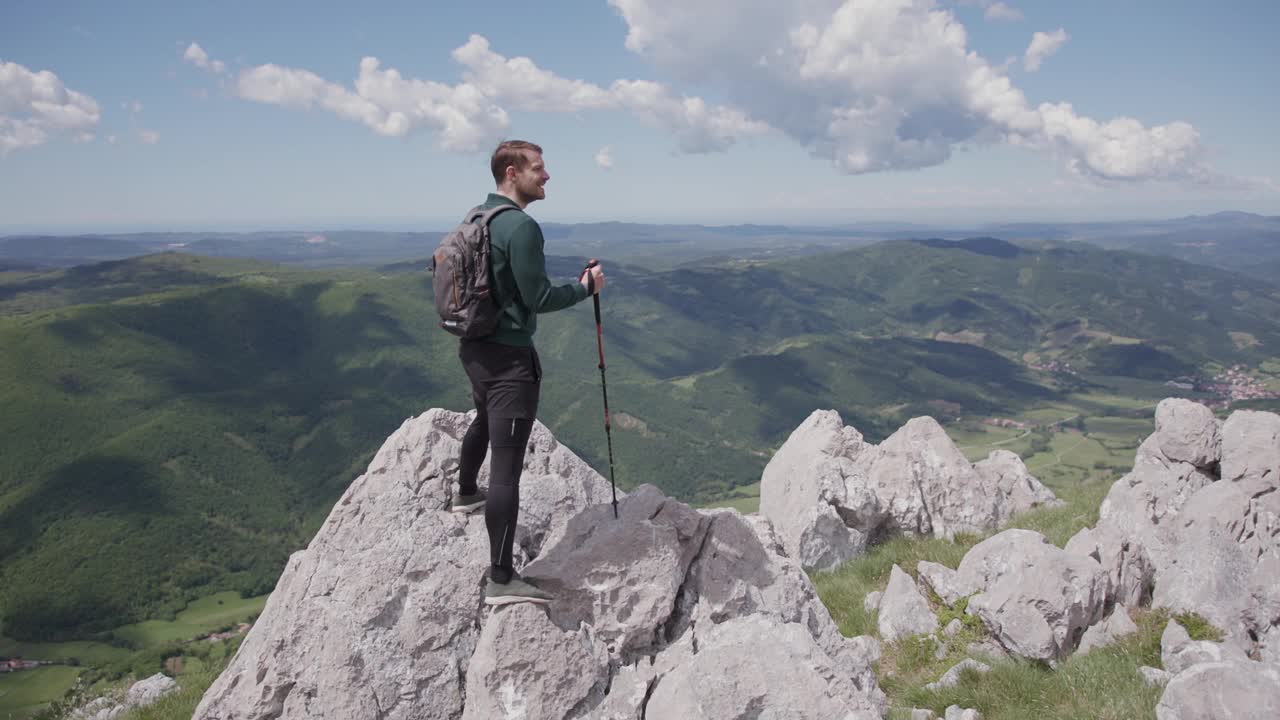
{"type": "Point", "coordinates": [604, 386]}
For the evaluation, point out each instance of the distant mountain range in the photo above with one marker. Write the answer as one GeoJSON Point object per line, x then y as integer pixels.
{"type": "Point", "coordinates": [1233, 240]}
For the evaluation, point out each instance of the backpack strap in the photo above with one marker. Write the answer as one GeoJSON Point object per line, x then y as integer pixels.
{"type": "Point", "coordinates": [484, 216]}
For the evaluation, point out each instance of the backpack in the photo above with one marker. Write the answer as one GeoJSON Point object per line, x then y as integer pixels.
{"type": "Point", "coordinates": [460, 276]}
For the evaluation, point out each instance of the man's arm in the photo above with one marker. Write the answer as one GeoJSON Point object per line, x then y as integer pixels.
{"type": "Point", "coordinates": [529, 266]}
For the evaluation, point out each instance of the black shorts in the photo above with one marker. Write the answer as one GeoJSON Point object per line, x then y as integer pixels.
{"type": "Point", "coordinates": [505, 379]}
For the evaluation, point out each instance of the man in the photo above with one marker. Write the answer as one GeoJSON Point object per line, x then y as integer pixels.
{"type": "Point", "coordinates": [503, 367]}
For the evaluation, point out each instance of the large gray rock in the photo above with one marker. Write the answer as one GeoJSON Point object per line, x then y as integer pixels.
{"type": "Point", "coordinates": [830, 494]}
{"type": "Point", "coordinates": [951, 677]}
{"type": "Point", "coordinates": [941, 580]}
{"type": "Point", "coordinates": [804, 483]}
{"type": "Point", "coordinates": [750, 667]}
{"type": "Point", "coordinates": [903, 610]}
{"type": "Point", "coordinates": [1130, 572]}
{"type": "Point", "coordinates": [1034, 598]}
{"type": "Point", "coordinates": [1241, 690]}
{"type": "Point", "coordinates": [572, 668]}
{"type": "Point", "coordinates": [1251, 446]}
{"type": "Point", "coordinates": [1114, 627]}
{"type": "Point", "coordinates": [1142, 506]}
{"type": "Point", "coordinates": [139, 695]}
{"type": "Point", "coordinates": [1227, 567]}
{"type": "Point", "coordinates": [1179, 652]}
{"type": "Point", "coordinates": [1196, 523]}
{"type": "Point", "coordinates": [1017, 490]}
{"type": "Point", "coordinates": [382, 615]}
{"type": "Point", "coordinates": [1188, 432]}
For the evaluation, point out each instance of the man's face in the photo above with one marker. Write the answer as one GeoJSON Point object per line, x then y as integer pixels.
{"type": "Point", "coordinates": [529, 182]}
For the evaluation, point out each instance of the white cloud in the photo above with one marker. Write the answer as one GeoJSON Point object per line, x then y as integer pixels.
{"type": "Point", "coordinates": [995, 10]}
{"type": "Point", "coordinates": [520, 83]}
{"type": "Point", "coordinates": [604, 158]}
{"type": "Point", "coordinates": [1001, 11]}
{"type": "Point", "coordinates": [384, 101]}
{"type": "Point", "coordinates": [472, 115]}
{"type": "Point", "coordinates": [1042, 46]}
{"type": "Point", "coordinates": [35, 105]}
{"type": "Point", "coordinates": [112, 139]}
{"type": "Point", "coordinates": [884, 85]}
{"type": "Point", "coordinates": [149, 137]}
{"type": "Point", "coordinates": [198, 57]}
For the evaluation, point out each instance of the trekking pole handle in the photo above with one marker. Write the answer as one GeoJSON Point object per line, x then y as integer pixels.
{"type": "Point", "coordinates": [591, 278]}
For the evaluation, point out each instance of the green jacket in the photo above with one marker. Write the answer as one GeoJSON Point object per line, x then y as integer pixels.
{"type": "Point", "coordinates": [520, 283]}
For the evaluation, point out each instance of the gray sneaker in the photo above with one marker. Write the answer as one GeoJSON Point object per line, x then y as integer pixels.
{"type": "Point", "coordinates": [468, 503]}
{"type": "Point", "coordinates": [517, 591]}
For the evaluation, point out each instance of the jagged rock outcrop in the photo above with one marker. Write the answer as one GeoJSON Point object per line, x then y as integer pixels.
{"type": "Point", "coordinates": [830, 493]}
{"type": "Point", "coordinates": [1196, 525]}
{"type": "Point", "coordinates": [664, 612]}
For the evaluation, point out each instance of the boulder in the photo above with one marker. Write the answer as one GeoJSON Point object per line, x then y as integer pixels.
{"type": "Point", "coordinates": [1251, 446]}
{"type": "Point", "coordinates": [1142, 506]}
{"type": "Point", "coordinates": [749, 667]}
{"type": "Point", "coordinates": [803, 484]}
{"type": "Point", "coordinates": [955, 712]}
{"type": "Point", "coordinates": [941, 580]}
{"type": "Point", "coordinates": [1188, 432]}
{"type": "Point", "coordinates": [1130, 572]}
{"type": "Point", "coordinates": [140, 694]}
{"type": "Point", "coordinates": [1034, 598]}
{"type": "Point", "coordinates": [923, 714]}
{"type": "Point", "coordinates": [382, 615]}
{"type": "Point", "coordinates": [1240, 690]}
{"type": "Point", "coordinates": [1228, 563]}
{"type": "Point", "coordinates": [953, 628]}
{"type": "Point", "coordinates": [903, 610]}
{"type": "Point", "coordinates": [951, 677]}
{"type": "Point", "coordinates": [871, 602]}
{"type": "Point", "coordinates": [1017, 490]}
{"type": "Point", "coordinates": [1153, 676]}
{"type": "Point", "coordinates": [927, 486]}
{"type": "Point", "coordinates": [830, 494]}
{"type": "Point", "coordinates": [1116, 626]}
{"type": "Point", "coordinates": [1179, 652]}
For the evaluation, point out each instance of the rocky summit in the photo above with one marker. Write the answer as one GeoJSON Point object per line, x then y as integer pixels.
{"type": "Point", "coordinates": [664, 612]}
{"type": "Point", "coordinates": [672, 612]}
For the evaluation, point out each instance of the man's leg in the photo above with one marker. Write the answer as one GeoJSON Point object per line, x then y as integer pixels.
{"type": "Point", "coordinates": [508, 438]}
{"type": "Point", "coordinates": [474, 446]}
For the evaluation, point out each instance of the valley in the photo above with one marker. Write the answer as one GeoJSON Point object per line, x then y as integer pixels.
{"type": "Point", "coordinates": [178, 424]}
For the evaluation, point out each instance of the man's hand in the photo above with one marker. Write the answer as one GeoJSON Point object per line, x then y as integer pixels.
{"type": "Point", "coordinates": [593, 277]}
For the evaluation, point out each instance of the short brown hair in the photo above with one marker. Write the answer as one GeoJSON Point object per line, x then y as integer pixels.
{"type": "Point", "coordinates": [510, 152]}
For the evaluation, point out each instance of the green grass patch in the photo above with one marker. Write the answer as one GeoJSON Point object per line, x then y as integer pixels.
{"type": "Point", "coordinates": [1079, 510]}
{"type": "Point", "coordinates": [201, 617]}
{"type": "Point", "coordinates": [843, 590]}
{"type": "Point", "coordinates": [1104, 684]}
{"type": "Point", "coordinates": [24, 693]}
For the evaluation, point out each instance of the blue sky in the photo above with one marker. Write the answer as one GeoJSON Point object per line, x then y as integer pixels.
{"type": "Point", "coordinates": [235, 115]}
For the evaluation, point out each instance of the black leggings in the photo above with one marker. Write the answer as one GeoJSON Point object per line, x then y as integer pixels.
{"type": "Point", "coordinates": [507, 437]}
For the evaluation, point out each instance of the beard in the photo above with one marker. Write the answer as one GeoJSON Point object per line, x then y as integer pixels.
{"type": "Point", "coordinates": [529, 192]}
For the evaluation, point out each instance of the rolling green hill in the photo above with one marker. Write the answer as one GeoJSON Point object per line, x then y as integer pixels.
{"type": "Point", "coordinates": [177, 425]}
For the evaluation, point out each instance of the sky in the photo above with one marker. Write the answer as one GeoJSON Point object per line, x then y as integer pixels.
{"type": "Point", "coordinates": [161, 116]}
